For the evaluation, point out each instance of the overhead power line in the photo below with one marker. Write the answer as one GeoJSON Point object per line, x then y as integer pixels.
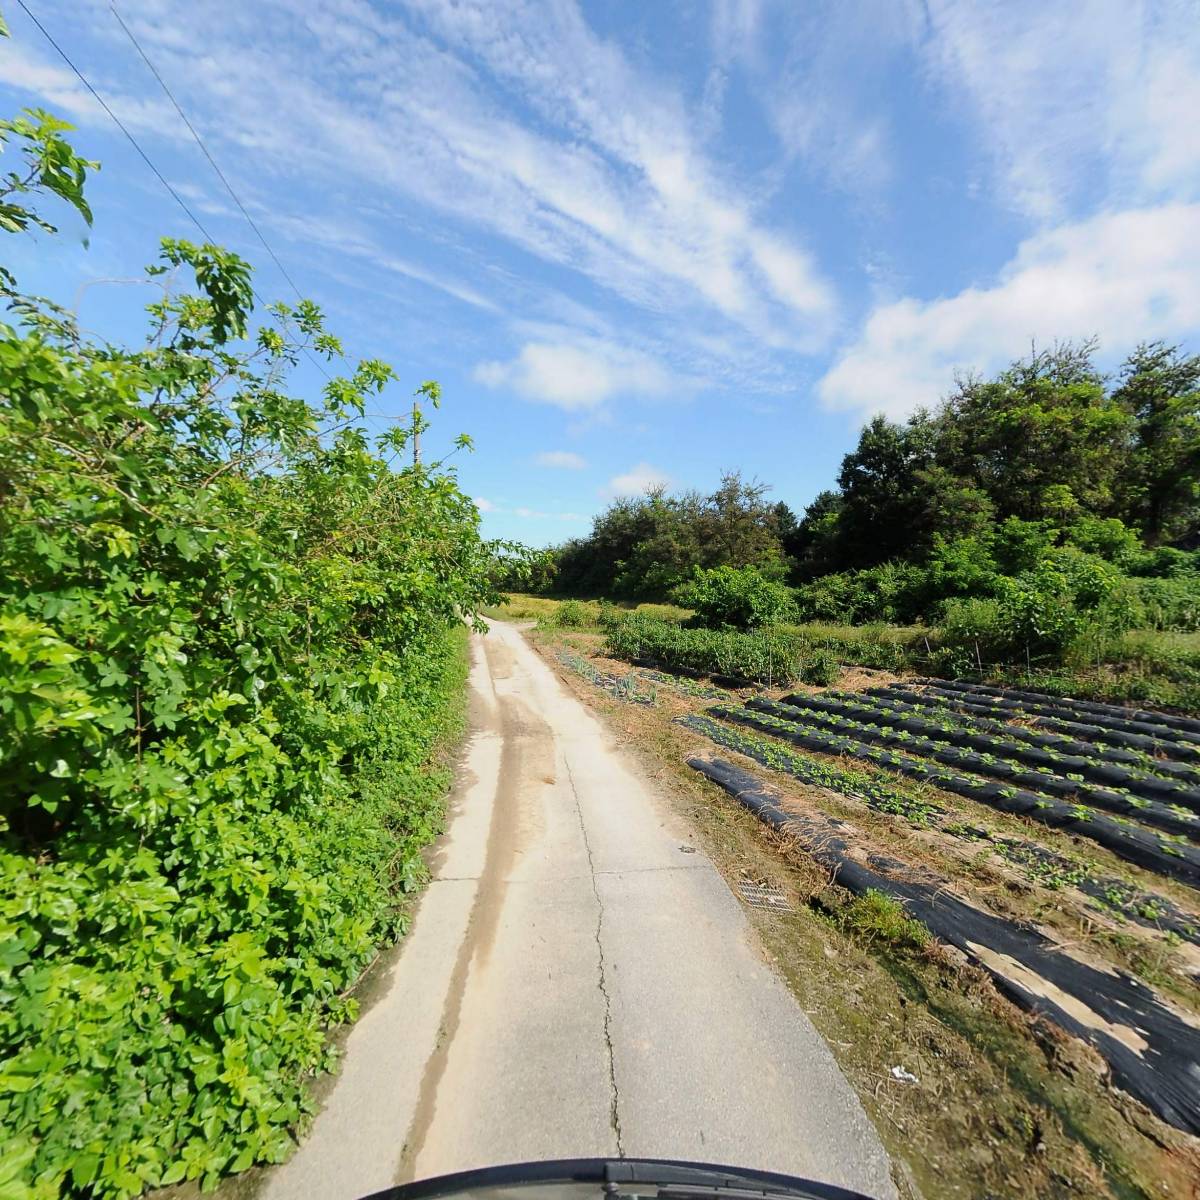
{"type": "Point", "coordinates": [118, 122]}
{"type": "Point", "coordinates": [212, 162]}
{"type": "Point", "coordinates": [195, 220]}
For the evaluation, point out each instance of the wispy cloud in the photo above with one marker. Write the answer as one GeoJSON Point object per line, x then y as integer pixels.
{"type": "Point", "coordinates": [345, 238]}
{"type": "Point", "coordinates": [24, 70]}
{"type": "Point", "coordinates": [578, 376]}
{"type": "Point", "coordinates": [618, 188]}
{"type": "Point", "coordinates": [565, 459]}
{"type": "Point", "coordinates": [519, 124]}
{"type": "Point", "coordinates": [1078, 105]}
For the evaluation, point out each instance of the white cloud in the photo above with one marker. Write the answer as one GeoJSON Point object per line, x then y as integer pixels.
{"type": "Point", "coordinates": [735, 29]}
{"type": "Point", "coordinates": [23, 71]}
{"type": "Point", "coordinates": [521, 123]}
{"type": "Point", "coordinates": [566, 459]}
{"type": "Point", "coordinates": [1123, 276]}
{"type": "Point", "coordinates": [823, 101]}
{"type": "Point", "coordinates": [483, 504]}
{"type": "Point", "coordinates": [534, 514]}
{"type": "Point", "coordinates": [637, 481]}
{"type": "Point", "coordinates": [1076, 101]}
{"type": "Point", "coordinates": [577, 376]}
{"type": "Point", "coordinates": [619, 190]}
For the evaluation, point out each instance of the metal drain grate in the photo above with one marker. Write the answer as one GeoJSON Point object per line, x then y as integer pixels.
{"type": "Point", "coordinates": [761, 895]}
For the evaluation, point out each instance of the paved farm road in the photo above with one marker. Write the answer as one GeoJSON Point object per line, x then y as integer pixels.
{"type": "Point", "coordinates": [574, 984]}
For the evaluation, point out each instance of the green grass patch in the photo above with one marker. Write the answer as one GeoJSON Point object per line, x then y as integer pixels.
{"type": "Point", "coordinates": [875, 917]}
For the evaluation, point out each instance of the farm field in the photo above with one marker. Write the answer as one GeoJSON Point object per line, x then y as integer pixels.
{"type": "Point", "coordinates": [1047, 846]}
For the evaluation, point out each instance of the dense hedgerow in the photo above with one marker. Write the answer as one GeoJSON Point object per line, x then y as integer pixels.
{"type": "Point", "coordinates": [763, 656]}
{"type": "Point", "coordinates": [231, 638]}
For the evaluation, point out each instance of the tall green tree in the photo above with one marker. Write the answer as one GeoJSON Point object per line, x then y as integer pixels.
{"type": "Point", "coordinates": [1042, 438]}
{"type": "Point", "coordinates": [1160, 485]}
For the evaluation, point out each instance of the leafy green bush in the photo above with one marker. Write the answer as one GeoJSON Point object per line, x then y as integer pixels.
{"type": "Point", "coordinates": [608, 615]}
{"type": "Point", "coordinates": [1168, 603]}
{"type": "Point", "coordinates": [821, 669]}
{"type": "Point", "coordinates": [230, 641]}
{"type": "Point", "coordinates": [890, 592]}
{"type": "Point", "coordinates": [734, 597]}
{"type": "Point", "coordinates": [572, 614]}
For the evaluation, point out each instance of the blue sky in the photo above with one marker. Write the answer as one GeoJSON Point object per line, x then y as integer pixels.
{"type": "Point", "coordinates": [645, 242]}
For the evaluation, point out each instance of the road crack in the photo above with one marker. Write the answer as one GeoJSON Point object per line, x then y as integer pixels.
{"type": "Point", "coordinates": [614, 1113]}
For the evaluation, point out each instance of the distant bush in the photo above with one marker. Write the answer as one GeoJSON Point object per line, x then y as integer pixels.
{"type": "Point", "coordinates": [572, 614]}
{"type": "Point", "coordinates": [892, 593]}
{"type": "Point", "coordinates": [1166, 603]}
{"type": "Point", "coordinates": [821, 669]}
{"type": "Point", "coordinates": [734, 597]}
{"type": "Point", "coordinates": [609, 615]}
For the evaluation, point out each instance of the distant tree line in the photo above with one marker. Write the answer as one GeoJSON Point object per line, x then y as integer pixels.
{"type": "Point", "coordinates": [1049, 470]}
{"type": "Point", "coordinates": [1047, 441]}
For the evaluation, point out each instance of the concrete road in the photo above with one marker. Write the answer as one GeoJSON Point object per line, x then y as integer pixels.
{"type": "Point", "coordinates": [575, 983]}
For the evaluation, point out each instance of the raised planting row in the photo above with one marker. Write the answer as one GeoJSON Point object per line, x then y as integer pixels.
{"type": "Point", "coordinates": [1116, 897]}
{"type": "Point", "coordinates": [858, 785]}
{"type": "Point", "coordinates": [623, 687]}
{"type": "Point", "coordinates": [686, 685]}
{"type": "Point", "coordinates": [1152, 1049]}
{"type": "Point", "coordinates": [1165, 855]}
{"type": "Point", "coordinates": [1151, 812]}
{"type": "Point", "coordinates": [1144, 716]}
{"type": "Point", "coordinates": [1178, 742]}
{"type": "Point", "coordinates": [936, 696]}
{"type": "Point", "coordinates": [944, 709]}
{"type": "Point", "coordinates": [954, 732]}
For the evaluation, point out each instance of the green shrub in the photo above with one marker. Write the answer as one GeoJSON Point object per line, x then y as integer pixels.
{"type": "Point", "coordinates": [1168, 603]}
{"type": "Point", "coordinates": [230, 641]}
{"type": "Point", "coordinates": [608, 616]}
{"type": "Point", "coordinates": [572, 614]}
{"type": "Point", "coordinates": [890, 592]}
{"type": "Point", "coordinates": [821, 669]}
{"type": "Point", "coordinates": [734, 597]}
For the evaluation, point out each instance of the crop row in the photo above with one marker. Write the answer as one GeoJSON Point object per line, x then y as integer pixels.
{"type": "Point", "coordinates": [936, 696]}
{"type": "Point", "coordinates": [1174, 742]}
{"type": "Point", "coordinates": [766, 657]}
{"type": "Point", "coordinates": [848, 782]}
{"type": "Point", "coordinates": [1043, 866]}
{"type": "Point", "coordinates": [686, 685]}
{"type": "Point", "coordinates": [941, 708]}
{"type": "Point", "coordinates": [1184, 725]}
{"type": "Point", "coordinates": [1169, 856]}
{"type": "Point", "coordinates": [1152, 1049]}
{"type": "Point", "coordinates": [1150, 812]}
{"type": "Point", "coordinates": [943, 729]}
{"type": "Point", "coordinates": [623, 687]}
